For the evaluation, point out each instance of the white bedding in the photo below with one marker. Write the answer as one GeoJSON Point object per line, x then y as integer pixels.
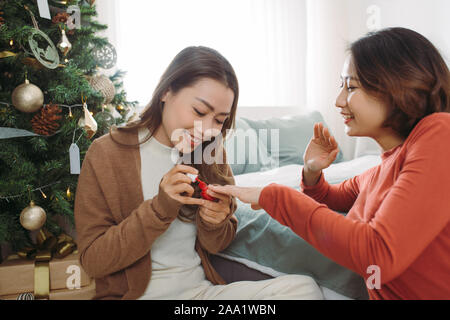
{"type": "Point", "coordinates": [327, 293]}
{"type": "Point", "coordinates": [290, 176]}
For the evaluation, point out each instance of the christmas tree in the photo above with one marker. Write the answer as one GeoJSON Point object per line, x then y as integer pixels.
{"type": "Point", "coordinates": [53, 99]}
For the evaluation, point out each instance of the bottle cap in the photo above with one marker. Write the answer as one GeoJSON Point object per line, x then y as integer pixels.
{"type": "Point", "coordinates": [192, 176]}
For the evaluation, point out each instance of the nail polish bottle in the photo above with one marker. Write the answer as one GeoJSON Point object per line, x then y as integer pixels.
{"type": "Point", "coordinates": [203, 187]}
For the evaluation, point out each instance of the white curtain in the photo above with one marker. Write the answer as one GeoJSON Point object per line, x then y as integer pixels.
{"type": "Point", "coordinates": [288, 54]}
{"type": "Point", "coordinates": [264, 40]}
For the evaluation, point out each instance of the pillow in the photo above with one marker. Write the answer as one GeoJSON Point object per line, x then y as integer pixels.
{"type": "Point", "coordinates": [245, 152]}
{"type": "Point", "coordinates": [295, 133]}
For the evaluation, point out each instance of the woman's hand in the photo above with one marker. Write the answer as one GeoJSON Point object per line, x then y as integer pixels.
{"type": "Point", "coordinates": [320, 154]}
{"type": "Point", "coordinates": [321, 150]}
{"type": "Point", "coordinates": [245, 194]}
{"type": "Point", "coordinates": [175, 190]}
{"type": "Point", "coordinates": [215, 212]}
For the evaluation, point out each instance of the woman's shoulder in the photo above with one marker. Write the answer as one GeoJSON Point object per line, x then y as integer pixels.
{"type": "Point", "coordinates": [440, 120]}
{"type": "Point", "coordinates": [115, 141]}
{"type": "Point", "coordinates": [436, 125]}
{"type": "Point", "coordinates": [437, 117]}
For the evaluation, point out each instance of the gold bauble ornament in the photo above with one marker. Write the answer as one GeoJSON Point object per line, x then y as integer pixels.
{"type": "Point", "coordinates": [105, 86]}
{"type": "Point", "coordinates": [27, 97]}
{"type": "Point", "coordinates": [33, 217]}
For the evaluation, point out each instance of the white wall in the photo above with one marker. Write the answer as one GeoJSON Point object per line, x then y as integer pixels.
{"type": "Point", "coordinates": [430, 18]}
{"type": "Point", "coordinates": [327, 23]}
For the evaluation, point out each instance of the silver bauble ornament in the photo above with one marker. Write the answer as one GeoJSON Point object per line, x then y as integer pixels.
{"type": "Point", "coordinates": [27, 97]}
{"type": "Point", "coordinates": [105, 56]}
{"type": "Point", "coordinates": [64, 45]}
{"type": "Point", "coordinates": [33, 217]}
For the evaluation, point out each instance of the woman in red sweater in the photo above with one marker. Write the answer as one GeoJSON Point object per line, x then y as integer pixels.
{"type": "Point", "coordinates": [396, 90]}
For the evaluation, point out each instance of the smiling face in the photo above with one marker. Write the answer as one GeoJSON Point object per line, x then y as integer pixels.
{"type": "Point", "coordinates": [363, 115]}
{"type": "Point", "coordinates": [194, 114]}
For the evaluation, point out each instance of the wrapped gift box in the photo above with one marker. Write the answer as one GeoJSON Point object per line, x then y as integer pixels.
{"type": "Point", "coordinates": [84, 293]}
{"type": "Point", "coordinates": [17, 276]}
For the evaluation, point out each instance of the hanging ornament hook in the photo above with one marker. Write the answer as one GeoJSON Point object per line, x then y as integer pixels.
{"type": "Point", "coordinates": [32, 17]}
{"type": "Point", "coordinates": [29, 193]}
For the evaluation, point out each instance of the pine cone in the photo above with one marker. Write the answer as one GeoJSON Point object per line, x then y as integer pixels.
{"type": "Point", "coordinates": [45, 122]}
{"type": "Point", "coordinates": [60, 17]}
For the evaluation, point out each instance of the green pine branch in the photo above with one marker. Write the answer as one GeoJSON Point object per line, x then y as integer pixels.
{"type": "Point", "coordinates": [29, 163]}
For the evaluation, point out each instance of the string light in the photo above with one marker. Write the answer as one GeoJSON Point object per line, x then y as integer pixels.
{"type": "Point", "coordinates": [11, 42]}
{"type": "Point", "coordinates": [43, 194]}
{"type": "Point", "coordinates": [45, 106]}
{"type": "Point", "coordinates": [7, 198]}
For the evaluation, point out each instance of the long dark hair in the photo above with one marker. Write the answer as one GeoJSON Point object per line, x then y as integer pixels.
{"type": "Point", "coordinates": [190, 65]}
{"type": "Point", "coordinates": [404, 70]}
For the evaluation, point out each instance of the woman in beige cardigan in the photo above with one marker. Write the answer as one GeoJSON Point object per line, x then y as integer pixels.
{"type": "Point", "coordinates": [143, 231]}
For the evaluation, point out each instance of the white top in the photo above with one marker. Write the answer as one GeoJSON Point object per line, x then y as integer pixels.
{"type": "Point", "coordinates": [176, 266]}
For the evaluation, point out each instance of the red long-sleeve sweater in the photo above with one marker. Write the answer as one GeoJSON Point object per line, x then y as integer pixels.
{"type": "Point", "coordinates": [397, 224]}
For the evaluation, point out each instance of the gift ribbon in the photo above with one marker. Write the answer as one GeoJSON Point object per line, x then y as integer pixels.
{"type": "Point", "coordinates": [47, 246]}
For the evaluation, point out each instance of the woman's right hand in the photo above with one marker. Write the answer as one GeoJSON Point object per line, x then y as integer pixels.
{"type": "Point", "coordinates": [175, 190]}
{"type": "Point", "coordinates": [320, 153]}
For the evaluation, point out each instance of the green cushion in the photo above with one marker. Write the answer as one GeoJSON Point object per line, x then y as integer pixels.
{"type": "Point", "coordinates": [245, 152]}
{"type": "Point", "coordinates": [295, 133]}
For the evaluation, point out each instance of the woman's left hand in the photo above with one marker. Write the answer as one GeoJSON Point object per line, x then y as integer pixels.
{"type": "Point", "coordinates": [215, 212]}
{"type": "Point", "coordinates": [245, 194]}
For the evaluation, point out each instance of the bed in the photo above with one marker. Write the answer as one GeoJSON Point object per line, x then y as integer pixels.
{"type": "Point", "coordinates": [270, 249]}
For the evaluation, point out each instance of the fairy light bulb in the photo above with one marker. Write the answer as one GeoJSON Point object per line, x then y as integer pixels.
{"type": "Point", "coordinates": [11, 42]}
